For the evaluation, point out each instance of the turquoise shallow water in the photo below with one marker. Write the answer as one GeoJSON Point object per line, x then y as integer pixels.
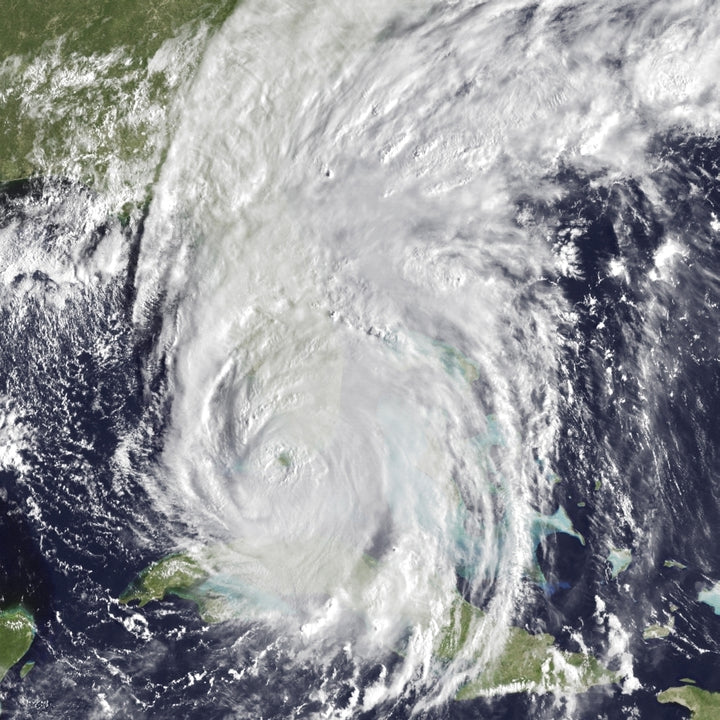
{"type": "Point", "coordinates": [412, 304]}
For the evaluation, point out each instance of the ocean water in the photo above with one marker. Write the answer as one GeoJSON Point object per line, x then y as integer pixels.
{"type": "Point", "coordinates": [414, 303]}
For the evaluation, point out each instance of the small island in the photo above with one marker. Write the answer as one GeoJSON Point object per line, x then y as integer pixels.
{"type": "Point", "coordinates": [657, 631]}
{"type": "Point", "coordinates": [674, 564]}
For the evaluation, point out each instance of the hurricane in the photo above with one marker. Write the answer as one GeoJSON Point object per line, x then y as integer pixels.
{"type": "Point", "coordinates": [360, 361]}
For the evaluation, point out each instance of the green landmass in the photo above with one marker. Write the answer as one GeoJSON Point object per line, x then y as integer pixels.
{"type": "Point", "coordinates": [528, 662]}
{"type": "Point", "coordinates": [26, 668]}
{"type": "Point", "coordinates": [455, 634]}
{"type": "Point", "coordinates": [674, 564]}
{"type": "Point", "coordinates": [703, 705]}
{"type": "Point", "coordinates": [96, 26]}
{"type": "Point", "coordinates": [619, 559]}
{"type": "Point", "coordinates": [533, 663]}
{"type": "Point", "coordinates": [176, 574]}
{"type": "Point", "coordinates": [17, 631]}
{"type": "Point", "coordinates": [654, 632]}
{"type": "Point", "coordinates": [84, 83]}
{"type": "Point", "coordinates": [182, 576]}
{"type": "Point", "coordinates": [264, 578]}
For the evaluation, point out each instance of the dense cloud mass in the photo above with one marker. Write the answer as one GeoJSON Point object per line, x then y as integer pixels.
{"type": "Point", "coordinates": [395, 395]}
